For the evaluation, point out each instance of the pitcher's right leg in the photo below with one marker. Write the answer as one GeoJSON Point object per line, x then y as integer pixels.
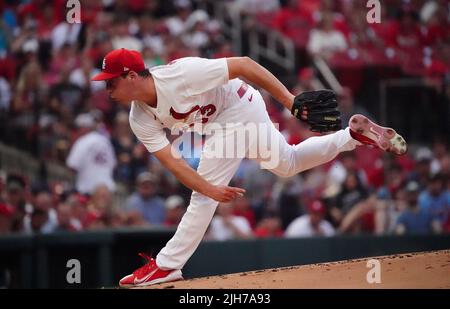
{"type": "Point", "coordinates": [217, 170]}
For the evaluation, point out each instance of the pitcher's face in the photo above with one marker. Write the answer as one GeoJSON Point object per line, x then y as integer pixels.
{"type": "Point", "coordinates": [118, 88]}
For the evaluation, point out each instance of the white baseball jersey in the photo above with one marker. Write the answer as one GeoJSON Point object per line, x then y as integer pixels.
{"type": "Point", "coordinates": [92, 156]}
{"type": "Point", "coordinates": [189, 90]}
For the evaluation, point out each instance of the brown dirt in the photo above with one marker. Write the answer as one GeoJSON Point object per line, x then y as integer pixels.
{"type": "Point", "coordinates": [414, 270]}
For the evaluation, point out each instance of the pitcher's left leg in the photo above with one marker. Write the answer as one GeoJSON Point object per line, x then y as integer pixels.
{"type": "Point", "coordinates": [310, 153]}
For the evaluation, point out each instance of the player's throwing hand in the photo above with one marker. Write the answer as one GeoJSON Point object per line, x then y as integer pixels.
{"type": "Point", "coordinates": [225, 194]}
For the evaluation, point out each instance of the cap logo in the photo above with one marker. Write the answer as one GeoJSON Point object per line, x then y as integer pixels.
{"type": "Point", "coordinates": [104, 63]}
{"type": "Point", "coordinates": [126, 69]}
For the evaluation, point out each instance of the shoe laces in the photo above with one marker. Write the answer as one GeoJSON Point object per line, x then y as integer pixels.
{"type": "Point", "coordinates": [145, 268]}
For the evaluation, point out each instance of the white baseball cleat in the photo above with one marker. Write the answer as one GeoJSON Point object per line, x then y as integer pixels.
{"type": "Point", "coordinates": [369, 133]}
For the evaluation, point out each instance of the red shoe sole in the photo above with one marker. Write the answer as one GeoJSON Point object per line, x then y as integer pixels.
{"type": "Point", "coordinates": [374, 134]}
{"type": "Point", "coordinates": [174, 276]}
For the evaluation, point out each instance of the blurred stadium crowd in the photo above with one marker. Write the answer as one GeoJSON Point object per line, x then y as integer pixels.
{"type": "Point", "coordinates": [49, 108]}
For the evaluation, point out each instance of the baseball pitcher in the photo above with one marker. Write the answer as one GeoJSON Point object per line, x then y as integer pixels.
{"type": "Point", "coordinates": [208, 93]}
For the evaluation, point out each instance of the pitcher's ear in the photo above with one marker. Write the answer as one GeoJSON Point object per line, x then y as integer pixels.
{"type": "Point", "coordinates": [132, 75]}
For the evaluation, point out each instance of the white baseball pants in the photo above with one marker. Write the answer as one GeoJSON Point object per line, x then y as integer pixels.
{"type": "Point", "coordinates": [247, 107]}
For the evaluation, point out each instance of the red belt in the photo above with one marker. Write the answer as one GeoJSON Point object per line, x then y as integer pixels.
{"type": "Point", "coordinates": [242, 90]}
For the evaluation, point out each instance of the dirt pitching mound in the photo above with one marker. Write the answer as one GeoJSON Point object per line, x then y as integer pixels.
{"type": "Point", "coordinates": [414, 270]}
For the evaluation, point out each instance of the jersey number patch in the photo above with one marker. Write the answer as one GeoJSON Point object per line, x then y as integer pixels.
{"type": "Point", "coordinates": [206, 111]}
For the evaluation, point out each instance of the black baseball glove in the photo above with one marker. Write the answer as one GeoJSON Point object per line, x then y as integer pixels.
{"type": "Point", "coordinates": [321, 105]}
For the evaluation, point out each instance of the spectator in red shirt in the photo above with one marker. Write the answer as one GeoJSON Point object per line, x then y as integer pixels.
{"type": "Point", "coordinates": [242, 208]}
{"type": "Point", "coordinates": [293, 21]}
{"type": "Point", "coordinates": [269, 226]}
{"type": "Point", "coordinates": [90, 11]}
{"type": "Point", "coordinates": [6, 218]}
{"type": "Point", "coordinates": [47, 21]}
{"type": "Point", "coordinates": [434, 17]}
{"type": "Point", "coordinates": [405, 34]}
{"type": "Point", "coordinates": [36, 10]}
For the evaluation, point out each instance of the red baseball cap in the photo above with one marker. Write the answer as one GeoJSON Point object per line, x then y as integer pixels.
{"type": "Point", "coordinates": [120, 61]}
{"type": "Point", "coordinates": [317, 207]}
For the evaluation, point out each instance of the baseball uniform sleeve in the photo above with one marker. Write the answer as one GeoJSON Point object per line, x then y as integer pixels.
{"type": "Point", "coordinates": [147, 130]}
{"type": "Point", "coordinates": [202, 75]}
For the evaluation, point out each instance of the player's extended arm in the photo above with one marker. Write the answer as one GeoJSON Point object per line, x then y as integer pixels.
{"type": "Point", "coordinates": [255, 73]}
{"type": "Point", "coordinates": [191, 179]}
